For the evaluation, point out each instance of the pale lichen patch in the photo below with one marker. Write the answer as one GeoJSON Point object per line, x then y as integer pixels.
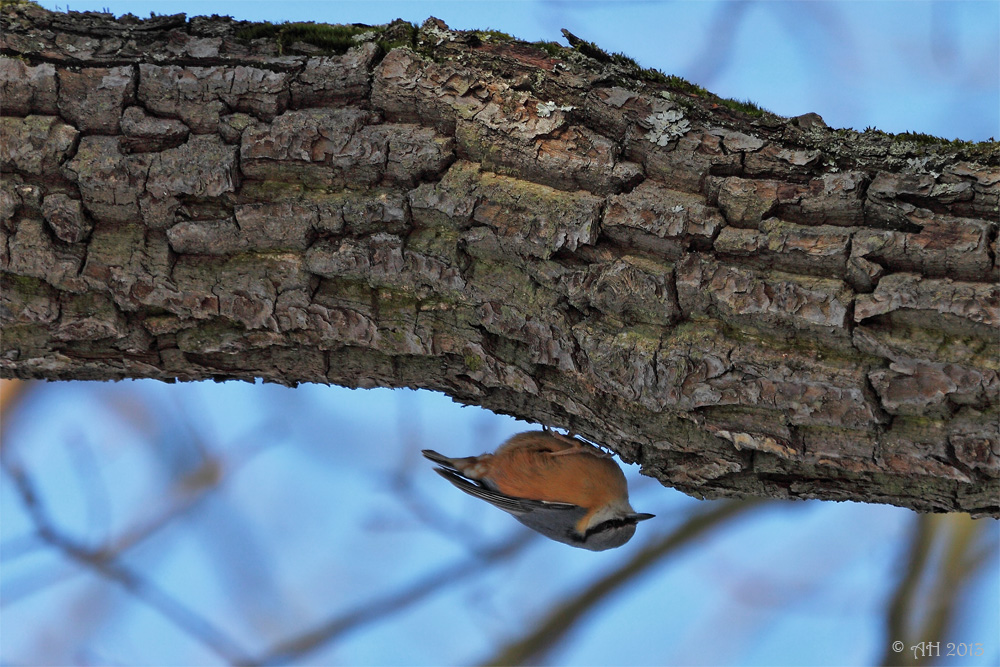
{"type": "Point", "coordinates": [665, 126]}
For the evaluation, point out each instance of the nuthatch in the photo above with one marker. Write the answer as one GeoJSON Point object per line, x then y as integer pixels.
{"type": "Point", "coordinates": [562, 487]}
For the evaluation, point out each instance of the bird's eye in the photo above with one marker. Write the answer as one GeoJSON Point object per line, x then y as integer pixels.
{"type": "Point", "coordinates": [610, 524]}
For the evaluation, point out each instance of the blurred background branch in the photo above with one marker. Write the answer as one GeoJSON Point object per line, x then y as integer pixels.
{"type": "Point", "coordinates": [104, 564]}
{"type": "Point", "coordinates": [381, 610]}
{"type": "Point", "coordinates": [940, 563]}
{"type": "Point", "coordinates": [546, 635]}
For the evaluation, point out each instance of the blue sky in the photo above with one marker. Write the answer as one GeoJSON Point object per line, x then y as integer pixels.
{"type": "Point", "coordinates": [331, 505]}
{"type": "Point", "coordinates": [312, 525]}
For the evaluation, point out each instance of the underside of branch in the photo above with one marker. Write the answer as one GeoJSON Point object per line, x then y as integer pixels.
{"type": "Point", "coordinates": [747, 305]}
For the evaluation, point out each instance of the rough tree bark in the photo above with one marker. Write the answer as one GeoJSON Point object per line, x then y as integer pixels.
{"type": "Point", "coordinates": [745, 304]}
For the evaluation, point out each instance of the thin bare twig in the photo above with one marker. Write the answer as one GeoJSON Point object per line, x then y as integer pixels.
{"type": "Point", "coordinates": [100, 563]}
{"type": "Point", "coordinates": [547, 634]}
{"type": "Point", "coordinates": [897, 616]}
{"type": "Point", "coordinates": [382, 608]}
{"type": "Point", "coordinates": [12, 395]}
{"type": "Point", "coordinates": [211, 476]}
{"type": "Point", "coordinates": [432, 516]}
{"type": "Point", "coordinates": [952, 573]}
{"type": "Point", "coordinates": [956, 563]}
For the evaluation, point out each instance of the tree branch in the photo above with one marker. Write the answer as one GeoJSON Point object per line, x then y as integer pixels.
{"type": "Point", "coordinates": [546, 634]}
{"type": "Point", "coordinates": [103, 564]}
{"type": "Point", "coordinates": [381, 608]}
{"type": "Point", "coordinates": [746, 304]}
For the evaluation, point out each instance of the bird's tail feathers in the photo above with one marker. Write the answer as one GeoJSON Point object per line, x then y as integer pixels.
{"type": "Point", "coordinates": [440, 459]}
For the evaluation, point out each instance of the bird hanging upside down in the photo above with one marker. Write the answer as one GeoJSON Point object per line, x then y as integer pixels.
{"type": "Point", "coordinates": [564, 488]}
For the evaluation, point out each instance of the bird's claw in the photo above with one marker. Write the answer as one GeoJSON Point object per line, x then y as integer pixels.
{"type": "Point", "coordinates": [577, 445]}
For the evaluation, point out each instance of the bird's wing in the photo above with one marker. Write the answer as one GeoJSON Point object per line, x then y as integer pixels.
{"type": "Point", "coordinates": [511, 504]}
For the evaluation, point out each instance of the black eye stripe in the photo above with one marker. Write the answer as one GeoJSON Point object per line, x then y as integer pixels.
{"type": "Point", "coordinates": [610, 524]}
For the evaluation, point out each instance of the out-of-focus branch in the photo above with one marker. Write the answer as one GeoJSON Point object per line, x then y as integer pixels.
{"type": "Point", "coordinates": [930, 618]}
{"type": "Point", "coordinates": [902, 600]}
{"type": "Point", "coordinates": [382, 608]}
{"type": "Point", "coordinates": [960, 531]}
{"type": "Point", "coordinates": [100, 562]}
{"type": "Point", "coordinates": [12, 392]}
{"type": "Point", "coordinates": [401, 481]}
{"type": "Point", "coordinates": [197, 487]}
{"type": "Point", "coordinates": [547, 634]}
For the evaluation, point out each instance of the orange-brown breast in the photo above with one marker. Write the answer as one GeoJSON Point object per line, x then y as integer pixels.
{"type": "Point", "coordinates": [525, 468]}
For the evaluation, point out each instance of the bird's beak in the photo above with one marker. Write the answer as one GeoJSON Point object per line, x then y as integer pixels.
{"type": "Point", "coordinates": [642, 517]}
